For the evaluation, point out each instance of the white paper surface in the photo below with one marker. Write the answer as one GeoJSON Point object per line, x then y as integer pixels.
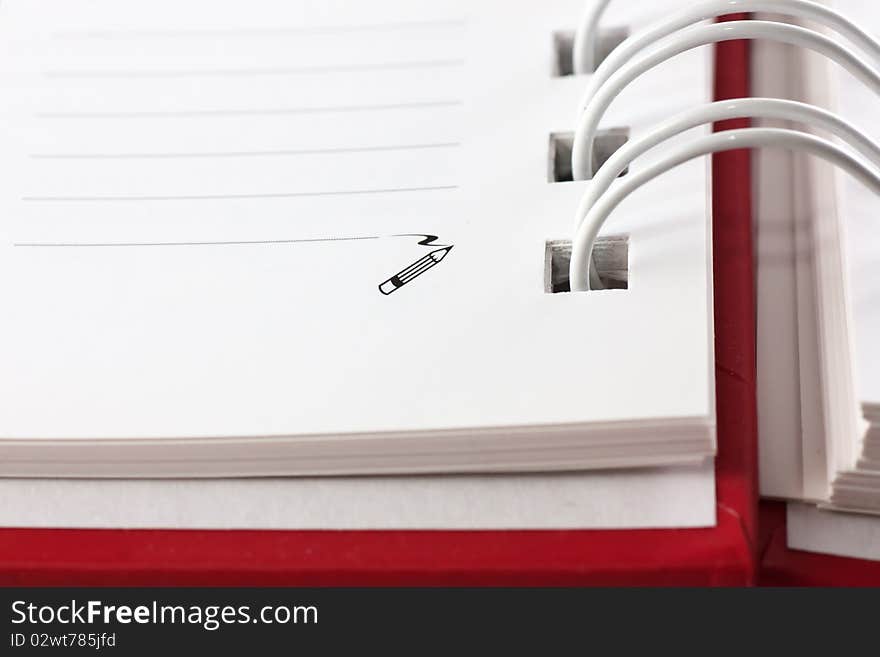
{"type": "Point", "coordinates": [201, 200]}
{"type": "Point", "coordinates": [774, 186]}
{"type": "Point", "coordinates": [832, 532]}
{"type": "Point", "coordinates": [674, 497]}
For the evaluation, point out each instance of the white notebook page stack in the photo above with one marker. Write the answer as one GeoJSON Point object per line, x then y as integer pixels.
{"type": "Point", "coordinates": [859, 208]}
{"type": "Point", "coordinates": [823, 447]}
{"type": "Point", "coordinates": [285, 238]}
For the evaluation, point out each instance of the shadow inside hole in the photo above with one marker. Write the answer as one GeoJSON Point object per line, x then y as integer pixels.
{"type": "Point", "coordinates": [604, 146]}
{"type": "Point", "coordinates": [563, 48]}
{"type": "Point", "coordinates": [610, 253]}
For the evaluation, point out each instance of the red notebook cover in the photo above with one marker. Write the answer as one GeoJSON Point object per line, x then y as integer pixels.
{"type": "Point", "coordinates": [722, 555]}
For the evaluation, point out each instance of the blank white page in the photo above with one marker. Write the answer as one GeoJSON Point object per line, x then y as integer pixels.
{"type": "Point", "coordinates": [832, 532]}
{"type": "Point", "coordinates": [622, 499]}
{"type": "Point", "coordinates": [201, 200]}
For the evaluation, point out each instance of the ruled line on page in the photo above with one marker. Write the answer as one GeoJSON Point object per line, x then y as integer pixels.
{"type": "Point", "coordinates": [212, 197]}
{"type": "Point", "coordinates": [220, 243]}
{"type": "Point", "coordinates": [260, 31]}
{"type": "Point", "coordinates": [255, 72]}
{"type": "Point", "coordinates": [268, 111]}
{"type": "Point", "coordinates": [248, 153]}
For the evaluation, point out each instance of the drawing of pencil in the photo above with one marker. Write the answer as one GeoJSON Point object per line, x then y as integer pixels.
{"type": "Point", "coordinates": [415, 270]}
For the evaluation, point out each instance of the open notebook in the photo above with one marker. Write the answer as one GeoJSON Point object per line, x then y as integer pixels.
{"type": "Point", "coordinates": [821, 245]}
{"type": "Point", "coordinates": [284, 237]}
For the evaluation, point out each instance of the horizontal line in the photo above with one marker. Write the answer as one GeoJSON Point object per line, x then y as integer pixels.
{"type": "Point", "coordinates": [226, 243]}
{"type": "Point", "coordinates": [247, 72]}
{"type": "Point", "coordinates": [248, 112]}
{"type": "Point", "coordinates": [255, 153]}
{"type": "Point", "coordinates": [211, 197]}
{"type": "Point", "coordinates": [260, 31]}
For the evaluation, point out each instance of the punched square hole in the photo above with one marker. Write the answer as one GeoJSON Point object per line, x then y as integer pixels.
{"type": "Point", "coordinates": [563, 48]}
{"type": "Point", "coordinates": [605, 145]}
{"type": "Point", "coordinates": [610, 253]}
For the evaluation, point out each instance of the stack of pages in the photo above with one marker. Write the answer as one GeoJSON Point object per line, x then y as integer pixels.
{"type": "Point", "coordinates": [819, 259]}
{"type": "Point", "coordinates": [284, 238]}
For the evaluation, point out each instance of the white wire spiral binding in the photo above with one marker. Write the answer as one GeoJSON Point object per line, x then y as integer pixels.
{"type": "Point", "coordinates": [691, 38]}
{"type": "Point", "coordinates": [586, 37]}
{"type": "Point", "coordinates": [694, 37]}
{"type": "Point", "coordinates": [585, 50]}
{"type": "Point", "coordinates": [586, 41]}
{"type": "Point", "coordinates": [714, 143]}
{"type": "Point", "coordinates": [767, 108]}
{"type": "Point", "coordinates": [619, 69]}
{"type": "Point", "coordinates": [738, 108]}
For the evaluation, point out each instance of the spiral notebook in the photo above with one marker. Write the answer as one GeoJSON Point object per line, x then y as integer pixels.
{"type": "Point", "coordinates": [293, 238]}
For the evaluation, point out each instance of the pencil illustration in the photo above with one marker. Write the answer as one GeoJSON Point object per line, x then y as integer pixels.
{"type": "Point", "coordinates": [415, 270]}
